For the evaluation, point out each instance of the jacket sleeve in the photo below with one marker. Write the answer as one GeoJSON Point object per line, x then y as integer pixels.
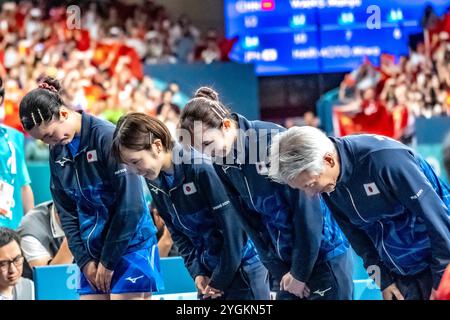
{"type": "Point", "coordinates": [184, 245]}
{"type": "Point", "coordinates": [68, 213]}
{"type": "Point", "coordinates": [127, 210]}
{"type": "Point", "coordinates": [233, 235]}
{"type": "Point", "coordinates": [403, 178]}
{"type": "Point", "coordinates": [308, 233]}
{"type": "Point", "coordinates": [362, 245]}
{"type": "Point", "coordinates": [254, 227]}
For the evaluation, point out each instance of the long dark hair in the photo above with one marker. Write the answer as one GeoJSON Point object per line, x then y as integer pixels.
{"type": "Point", "coordinates": [138, 131]}
{"type": "Point", "coordinates": [41, 104]}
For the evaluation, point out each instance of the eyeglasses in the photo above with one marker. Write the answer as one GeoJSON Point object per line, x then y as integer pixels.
{"type": "Point", "coordinates": [6, 264]}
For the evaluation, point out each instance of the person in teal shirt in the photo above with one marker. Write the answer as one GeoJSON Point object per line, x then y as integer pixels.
{"type": "Point", "coordinates": [20, 180]}
{"type": "Point", "coordinates": [13, 174]}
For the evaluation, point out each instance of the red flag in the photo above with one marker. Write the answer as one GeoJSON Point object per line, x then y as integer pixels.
{"type": "Point", "coordinates": [373, 118]}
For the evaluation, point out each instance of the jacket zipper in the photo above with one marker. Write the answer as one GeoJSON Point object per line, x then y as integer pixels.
{"type": "Point", "coordinates": [251, 200]}
{"type": "Point", "coordinates": [176, 211]}
{"type": "Point", "coordinates": [385, 250]}
{"type": "Point", "coordinates": [96, 212]}
{"type": "Point", "coordinates": [382, 232]}
{"type": "Point", "coordinates": [249, 193]}
{"type": "Point", "coordinates": [96, 215]}
{"type": "Point", "coordinates": [278, 245]}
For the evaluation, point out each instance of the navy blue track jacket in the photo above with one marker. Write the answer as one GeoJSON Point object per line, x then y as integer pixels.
{"type": "Point", "coordinates": [100, 201]}
{"type": "Point", "coordinates": [392, 207]}
{"type": "Point", "coordinates": [201, 219]}
{"type": "Point", "coordinates": [292, 231]}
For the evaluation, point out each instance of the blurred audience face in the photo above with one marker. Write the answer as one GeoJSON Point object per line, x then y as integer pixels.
{"type": "Point", "coordinates": [369, 94]}
{"type": "Point", "coordinates": [11, 264]}
{"type": "Point", "coordinates": [167, 96]}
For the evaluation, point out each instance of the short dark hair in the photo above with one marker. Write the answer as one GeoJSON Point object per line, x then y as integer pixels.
{"type": "Point", "coordinates": [8, 235]}
{"type": "Point", "coordinates": [138, 131]}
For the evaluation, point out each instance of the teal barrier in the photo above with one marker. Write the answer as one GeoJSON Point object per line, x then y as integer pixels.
{"type": "Point", "coordinates": [176, 277]}
{"type": "Point", "coordinates": [58, 282]}
{"type": "Point", "coordinates": [364, 288]}
{"type": "Point", "coordinates": [40, 181]}
{"type": "Point", "coordinates": [430, 135]}
{"type": "Point", "coordinates": [433, 154]}
{"type": "Point", "coordinates": [324, 108]}
{"type": "Point", "coordinates": [236, 83]}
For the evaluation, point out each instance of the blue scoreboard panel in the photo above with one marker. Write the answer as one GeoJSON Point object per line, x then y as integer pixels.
{"type": "Point", "coordinates": [312, 36]}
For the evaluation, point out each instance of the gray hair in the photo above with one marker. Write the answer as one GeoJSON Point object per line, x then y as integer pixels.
{"type": "Point", "coordinates": [296, 150]}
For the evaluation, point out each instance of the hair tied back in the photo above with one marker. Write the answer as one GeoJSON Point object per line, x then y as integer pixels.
{"type": "Point", "coordinates": [44, 85]}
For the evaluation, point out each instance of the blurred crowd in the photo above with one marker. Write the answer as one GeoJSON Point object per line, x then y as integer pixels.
{"type": "Point", "coordinates": [99, 58]}
{"type": "Point", "coordinates": [417, 85]}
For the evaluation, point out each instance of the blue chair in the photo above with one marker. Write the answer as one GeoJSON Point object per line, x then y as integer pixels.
{"type": "Point", "coordinates": [359, 272]}
{"type": "Point", "coordinates": [58, 282]}
{"type": "Point", "coordinates": [178, 283]}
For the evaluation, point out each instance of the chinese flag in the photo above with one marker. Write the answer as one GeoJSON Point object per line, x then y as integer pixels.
{"type": "Point", "coordinates": [373, 118]}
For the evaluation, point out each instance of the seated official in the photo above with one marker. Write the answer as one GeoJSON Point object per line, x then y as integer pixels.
{"type": "Point", "coordinates": [43, 240]}
{"type": "Point", "coordinates": [12, 285]}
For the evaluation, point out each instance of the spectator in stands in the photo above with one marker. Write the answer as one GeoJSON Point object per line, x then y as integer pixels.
{"type": "Point", "coordinates": [418, 56]}
{"type": "Point", "coordinates": [42, 239]}
{"type": "Point", "coordinates": [36, 150]}
{"type": "Point", "coordinates": [211, 52]}
{"type": "Point", "coordinates": [168, 112]}
{"type": "Point", "coordinates": [418, 85]}
{"type": "Point", "coordinates": [16, 196]}
{"type": "Point", "coordinates": [429, 19]}
{"type": "Point", "coordinates": [12, 285]}
{"type": "Point", "coordinates": [308, 119]}
{"type": "Point", "coordinates": [185, 47]}
{"type": "Point", "coordinates": [100, 62]}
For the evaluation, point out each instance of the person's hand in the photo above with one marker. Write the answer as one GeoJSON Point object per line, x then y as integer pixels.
{"type": "Point", "coordinates": [212, 293]}
{"type": "Point", "coordinates": [103, 278]}
{"type": "Point", "coordinates": [90, 272]}
{"type": "Point", "coordinates": [392, 292]}
{"type": "Point", "coordinates": [290, 284]}
{"type": "Point", "coordinates": [201, 282]}
{"type": "Point", "coordinates": [433, 294]}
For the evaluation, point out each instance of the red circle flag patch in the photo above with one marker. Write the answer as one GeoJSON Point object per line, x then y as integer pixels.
{"type": "Point", "coordinates": [91, 156]}
{"type": "Point", "coordinates": [189, 188]}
